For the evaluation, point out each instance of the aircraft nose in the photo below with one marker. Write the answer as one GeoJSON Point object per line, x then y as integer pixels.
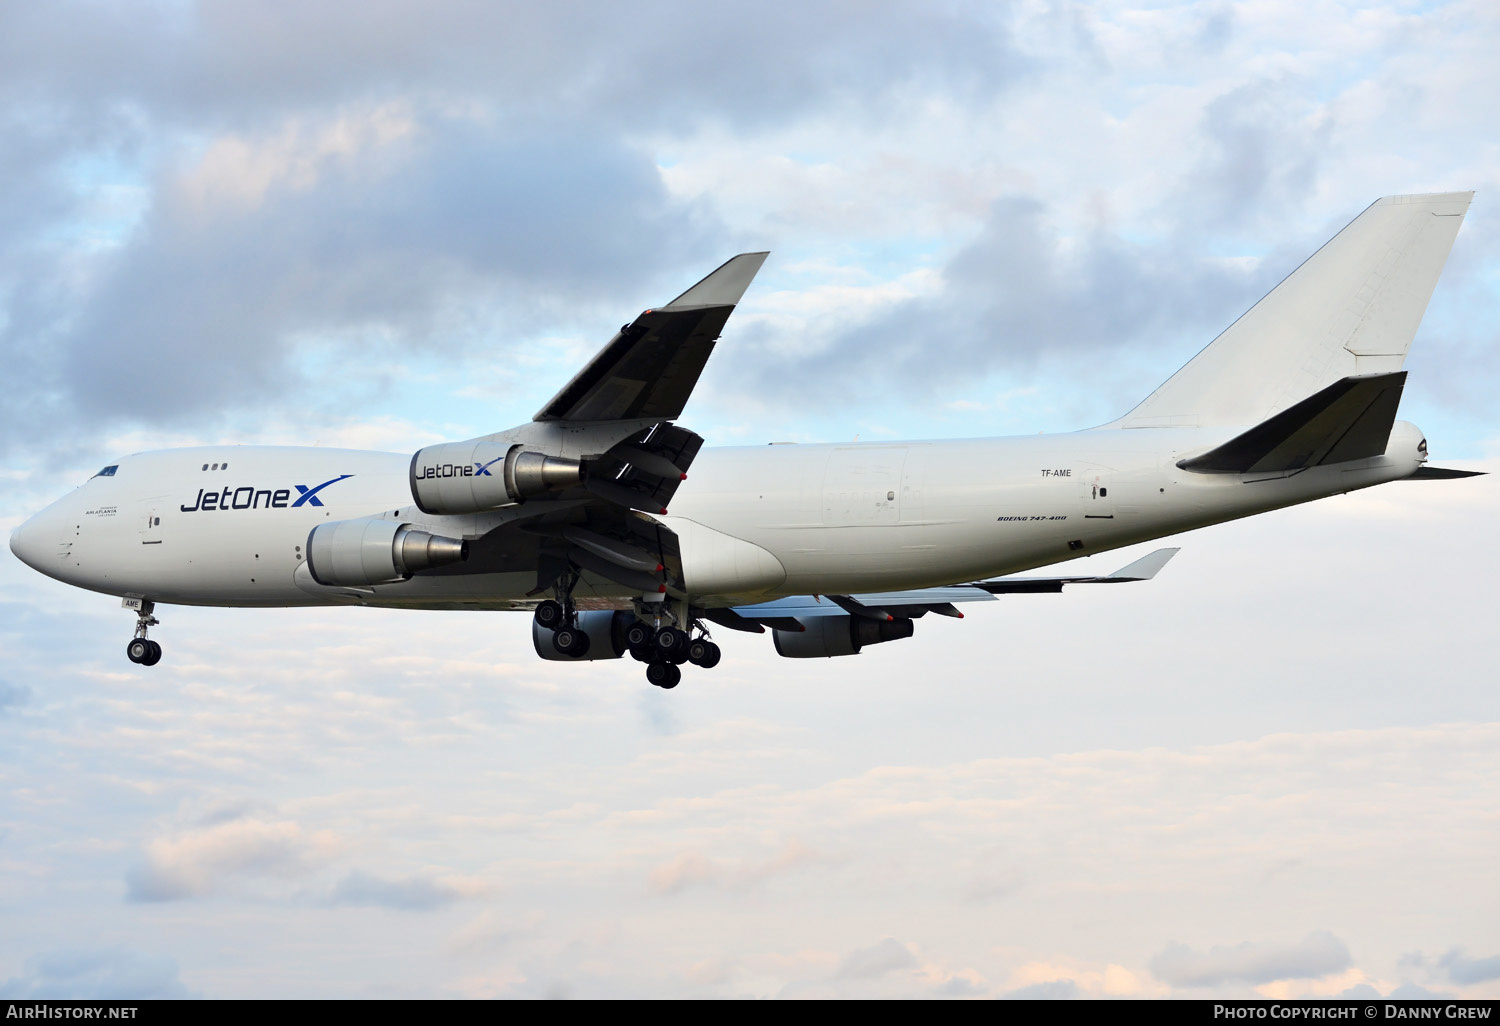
{"type": "Point", "coordinates": [29, 543]}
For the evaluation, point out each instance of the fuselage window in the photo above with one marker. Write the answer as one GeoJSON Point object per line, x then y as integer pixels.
{"type": "Point", "coordinates": [108, 471]}
{"type": "Point", "coordinates": [216, 466]}
{"type": "Point", "coordinates": [205, 466]}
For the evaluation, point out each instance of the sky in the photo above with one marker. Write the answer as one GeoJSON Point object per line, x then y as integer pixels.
{"type": "Point", "coordinates": [1273, 771]}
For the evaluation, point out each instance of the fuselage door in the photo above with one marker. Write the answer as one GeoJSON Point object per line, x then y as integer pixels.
{"type": "Point", "coordinates": [1097, 502]}
{"type": "Point", "coordinates": [150, 524]}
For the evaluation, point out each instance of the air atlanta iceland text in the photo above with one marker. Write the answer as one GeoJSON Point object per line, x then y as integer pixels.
{"type": "Point", "coordinates": [249, 497]}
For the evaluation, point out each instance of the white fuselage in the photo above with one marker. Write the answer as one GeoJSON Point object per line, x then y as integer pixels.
{"type": "Point", "coordinates": [838, 519]}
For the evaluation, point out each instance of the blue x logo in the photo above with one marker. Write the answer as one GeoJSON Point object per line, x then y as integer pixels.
{"type": "Point", "coordinates": [484, 468]}
{"type": "Point", "coordinates": [310, 495]}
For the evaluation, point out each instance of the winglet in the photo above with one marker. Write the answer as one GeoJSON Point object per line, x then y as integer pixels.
{"type": "Point", "coordinates": [1144, 568]}
{"type": "Point", "coordinates": [722, 287]}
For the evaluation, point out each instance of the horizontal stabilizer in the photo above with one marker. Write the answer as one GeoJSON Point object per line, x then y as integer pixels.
{"type": "Point", "coordinates": [1349, 420]}
{"type": "Point", "coordinates": [1425, 473]}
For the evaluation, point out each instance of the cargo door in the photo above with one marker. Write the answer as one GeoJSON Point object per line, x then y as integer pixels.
{"type": "Point", "coordinates": [862, 485]}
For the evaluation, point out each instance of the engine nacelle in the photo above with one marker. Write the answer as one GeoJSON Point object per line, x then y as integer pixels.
{"type": "Point", "coordinates": [828, 636]}
{"type": "Point", "coordinates": [606, 631]}
{"type": "Point", "coordinates": [458, 478]}
{"type": "Point", "coordinates": [369, 551]}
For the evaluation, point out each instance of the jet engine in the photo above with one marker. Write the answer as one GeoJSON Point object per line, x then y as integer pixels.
{"type": "Point", "coordinates": [605, 629]}
{"type": "Point", "coordinates": [458, 478]}
{"type": "Point", "coordinates": [368, 551]}
{"type": "Point", "coordinates": [828, 636]}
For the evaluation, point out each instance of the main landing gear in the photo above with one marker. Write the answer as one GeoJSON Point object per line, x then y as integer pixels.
{"type": "Point", "coordinates": [142, 649]}
{"type": "Point", "coordinates": [658, 638]}
{"type": "Point", "coordinates": [665, 648]}
{"type": "Point", "coordinates": [562, 620]}
{"type": "Point", "coordinates": [559, 617]}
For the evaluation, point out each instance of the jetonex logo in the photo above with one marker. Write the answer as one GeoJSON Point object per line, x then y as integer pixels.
{"type": "Point", "coordinates": [250, 497]}
{"type": "Point", "coordinates": [426, 471]}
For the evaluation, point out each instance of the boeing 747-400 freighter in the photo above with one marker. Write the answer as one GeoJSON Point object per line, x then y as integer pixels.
{"type": "Point", "coordinates": [830, 547]}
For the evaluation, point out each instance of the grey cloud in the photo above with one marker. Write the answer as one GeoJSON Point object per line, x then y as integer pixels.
{"type": "Point", "coordinates": [1217, 27]}
{"type": "Point", "coordinates": [1019, 295]}
{"type": "Point", "coordinates": [958, 987]}
{"type": "Point", "coordinates": [1465, 970]}
{"type": "Point", "coordinates": [1415, 992]}
{"type": "Point", "coordinates": [13, 695]}
{"type": "Point", "coordinates": [412, 893]}
{"type": "Point", "coordinates": [877, 960]}
{"type": "Point", "coordinates": [1317, 954]}
{"type": "Point", "coordinates": [544, 206]}
{"type": "Point", "coordinates": [649, 66]}
{"type": "Point", "coordinates": [1052, 990]}
{"type": "Point", "coordinates": [96, 974]}
{"type": "Point", "coordinates": [694, 869]}
{"type": "Point", "coordinates": [194, 316]}
{"type": "Point", "coordinates": [1260, 156]}
{"type": "Point", "coordinates": [199, 862]}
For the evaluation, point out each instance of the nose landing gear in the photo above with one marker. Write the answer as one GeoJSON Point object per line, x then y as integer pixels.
{"type": "Point", "coordinates": [142, 649]}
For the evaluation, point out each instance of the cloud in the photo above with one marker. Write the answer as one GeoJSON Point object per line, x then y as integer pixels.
{"type": "Point", "coordinates": [1052, 990]}
{"type": "Point", "coordinates": [1023, 294]}
{"type": "Point", "coordinates": [1464, 970]}
{"type": "Point", "coordinates": [412, 893]}
{"type": "Point", "coordinates": [198, 862]}
{"type": "Point", "coordinates": [406, 244]}
{"type": "Point", "coordinates": [325, 186]}
{"type": "Point", "coordinates": [888, 956]}
{"type": "Point", "coordinates": [13, 696]}
{"type": "Point", "coordinates": [1317, 954]}
{"type": "Point", "coordinates": [1409, 991]}
{"type": "Point", "coordinates": [1260, 157]}
{"type": "Point", "coordinates": [694, 869]}
{"type": "Point", "coordinates": [96, 974]}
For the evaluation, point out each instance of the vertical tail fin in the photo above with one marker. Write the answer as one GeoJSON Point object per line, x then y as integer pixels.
{"type": "Point", "coordinates": [1352, 308]}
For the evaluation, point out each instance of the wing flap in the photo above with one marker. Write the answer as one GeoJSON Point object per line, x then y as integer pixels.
{"type": "Point", "coordinates": [909, 605]}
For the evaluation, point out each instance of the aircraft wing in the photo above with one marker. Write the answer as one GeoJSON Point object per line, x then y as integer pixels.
{"type": "Point", "coordinates": [788, 613]}
{"type": "Point", "coordinates": [649, 368]}
{"type": "Point", "coordinates": [625, 400]}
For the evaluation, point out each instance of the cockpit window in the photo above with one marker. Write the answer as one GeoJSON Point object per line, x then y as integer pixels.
{"type": "Point", "coordinates": [108, 471]}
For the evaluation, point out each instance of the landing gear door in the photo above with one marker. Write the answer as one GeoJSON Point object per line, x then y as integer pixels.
{"type": "Point", "coordinates": [1098, 504]}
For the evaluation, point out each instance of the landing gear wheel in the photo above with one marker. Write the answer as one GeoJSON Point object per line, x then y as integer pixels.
{"type": "Point", "coordinates": [570, 641]}
{"type": "Point", "coordinates": [704, 653]}
{"type": "Point", "coordinates": [671, 644]}
{"type": "Point", "coordinates": [140, 649]}
{"type": "Point", "coordinates": [638, 637]}
{"type": "Point", "coordinates": [550, 615]}
{"type": "Point", "coordinates": [663, 675]}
